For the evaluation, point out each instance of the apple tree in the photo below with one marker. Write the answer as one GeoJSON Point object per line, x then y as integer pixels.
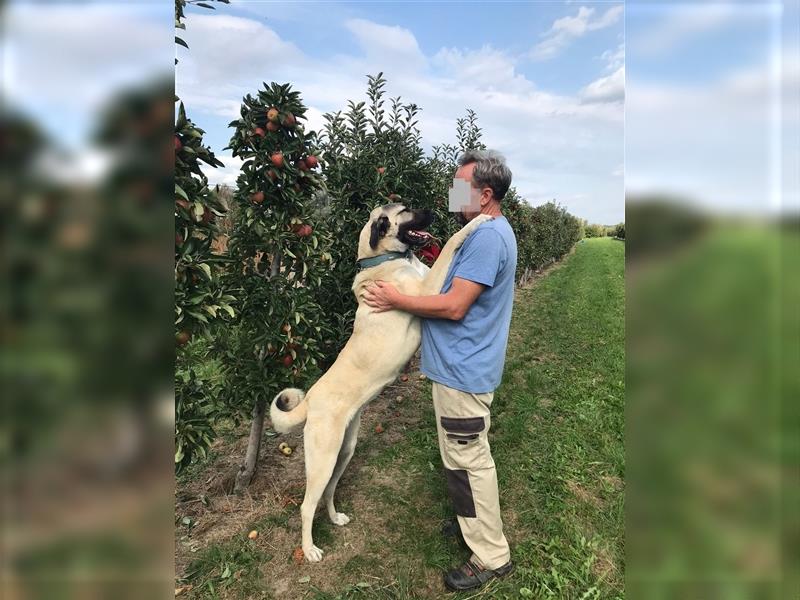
{"type": "Point", "coordinates": [279, 262]}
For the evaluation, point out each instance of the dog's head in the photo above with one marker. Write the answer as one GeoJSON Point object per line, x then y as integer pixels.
{"type": "Point", "coordinates": [394, 228]}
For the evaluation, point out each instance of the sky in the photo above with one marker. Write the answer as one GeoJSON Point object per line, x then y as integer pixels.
{"type": "Point", "coordinates": [546, 80]}
{"type": "Point", "coordinates": [713, 104]}
{"type": "Point", "coordinates": [697, 99]}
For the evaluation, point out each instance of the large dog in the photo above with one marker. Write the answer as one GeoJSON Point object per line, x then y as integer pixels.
{"type": "Point", "coordinates": [381, 344]}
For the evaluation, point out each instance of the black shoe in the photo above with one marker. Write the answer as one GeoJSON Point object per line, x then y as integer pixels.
{"type": "Point", "coordinates": [469, 576]}
{"type": "Point", "coordinates": [451, 528]}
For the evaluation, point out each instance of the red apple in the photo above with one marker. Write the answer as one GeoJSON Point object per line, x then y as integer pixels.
{"type": "Point", "coordinates": [277, 159]}
{"type": "Point", "coordinates": [273, 127]}
{"type": "Point", "coordinates": [259, 132]}
{"type": "Point", "coordinates": [272, 175]}
{"type": "Point", "coordinates": [182, 338]}
{"type": "Point", "coordinates": [258, 197]}
{"type": "Point", "coordinates": [301, 164]}
{"type": "Point", "coordinates": [178, 144]}
{"type": "Point", "coordinates": [288, 360]}
{"type": "Point", "coordinates": [381, 170]}
{"type": "Point", "coordinates": [178, 240]}
{"type": "Point", "coordinates": [289, 120]}
{"type": "Point", "coordinates": [312, 161]}
{"type": "Point", "coordinates": [394, 197]}
{"type": "Point", "coordinates": [272, 114]}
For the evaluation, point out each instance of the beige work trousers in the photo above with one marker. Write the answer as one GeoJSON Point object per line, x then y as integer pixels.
{"type": "Point", "coordinates": [462, 423]}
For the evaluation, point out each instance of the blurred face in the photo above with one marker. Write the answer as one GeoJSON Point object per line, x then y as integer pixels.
{"type": "Point", "coordinates": [465, 201]}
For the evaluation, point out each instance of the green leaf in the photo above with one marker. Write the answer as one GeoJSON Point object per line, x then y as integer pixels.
{"type": "Point", "coordinates": [180, 192]}
{"type": "Point", "coordinates": [304, 579]}
{"type": "Point", "coordinates": [206, 269]}
{"type": "Point", "coordinates": [297, 318]}
{"type": "Point", "coordinates": [226, 573]}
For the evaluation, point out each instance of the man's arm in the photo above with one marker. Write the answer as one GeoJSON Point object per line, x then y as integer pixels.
{"type": "Point", "coordinates": [452, 305]}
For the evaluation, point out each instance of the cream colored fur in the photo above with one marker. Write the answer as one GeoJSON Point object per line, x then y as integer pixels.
{"type": "Point", "coordinates": [380, 346]}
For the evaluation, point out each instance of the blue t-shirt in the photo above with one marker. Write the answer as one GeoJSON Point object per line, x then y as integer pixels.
{"type": "Point", "coordinates": [469, 354]}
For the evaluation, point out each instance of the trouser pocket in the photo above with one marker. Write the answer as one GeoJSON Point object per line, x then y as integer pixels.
{"type": "Point", "coordinates": [464, 449]}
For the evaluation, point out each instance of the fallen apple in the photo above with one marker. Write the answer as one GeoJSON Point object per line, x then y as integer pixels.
{"type": "Point", "coordinates": [253, 534]}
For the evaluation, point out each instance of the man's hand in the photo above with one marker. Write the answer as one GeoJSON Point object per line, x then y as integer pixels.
{"type": "Point", "coordinates": [381, 296]}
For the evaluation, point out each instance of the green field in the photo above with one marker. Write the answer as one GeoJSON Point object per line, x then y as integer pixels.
{"type": "Point", "coordinates": [557, 439]}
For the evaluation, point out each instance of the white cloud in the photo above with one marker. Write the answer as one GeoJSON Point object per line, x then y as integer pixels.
{"type": "Point", "coordinates": [727, 143]}
{"type": "Point", "coordinates": [677, 24]}
{"type": "Point", "coordinates": [391, 45]}
{"type": "Point", "coordinates": [557, 145]}
{"type": "Point", "coordinates": [614, 59]}
{"type": "Point", "coordinates": [487, 69]}
{"type": "Point", "coordinates": [76, 59]}
{"type": "Point", "coordinates": [566, 29]}
{"type": "Point", "coordinates": [606, 89]}
{"type": "Point", "coordinates": [226, 175]}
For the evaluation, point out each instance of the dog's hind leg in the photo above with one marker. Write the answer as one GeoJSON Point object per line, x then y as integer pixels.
{"type": "Point", "coordinates": [321, 449]}
{"type": "Point", "coordinates": [345, 454]}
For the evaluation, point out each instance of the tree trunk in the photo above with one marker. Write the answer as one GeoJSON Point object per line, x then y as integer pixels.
{"type": "Point", "coordinates": [276, 262]}
{"type": "Point", "coordinates": [248, 467]}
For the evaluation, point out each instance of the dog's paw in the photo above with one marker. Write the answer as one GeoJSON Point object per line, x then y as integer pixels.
{"type": "Point", "coordinates": [313, 554]}
{"type": "Point", "coordinates": [340, 519]}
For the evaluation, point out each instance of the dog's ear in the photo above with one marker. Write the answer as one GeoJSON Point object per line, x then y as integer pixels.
{"type": "Point", "coordinates": [379, 228]}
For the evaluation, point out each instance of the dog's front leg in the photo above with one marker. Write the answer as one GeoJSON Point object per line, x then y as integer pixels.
{"type": "Point", "coordinates": [434, 280]}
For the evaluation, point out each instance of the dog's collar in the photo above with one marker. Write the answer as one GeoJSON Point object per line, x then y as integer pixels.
{"type": "Point", "coordinates": [374, 261]}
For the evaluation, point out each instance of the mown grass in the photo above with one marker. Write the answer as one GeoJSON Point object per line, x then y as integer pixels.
{"type": "Point", "coordinates": [557, 440]}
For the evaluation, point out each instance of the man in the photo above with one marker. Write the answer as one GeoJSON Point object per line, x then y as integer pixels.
{"type": "Point", "coordinates": [464, 338]}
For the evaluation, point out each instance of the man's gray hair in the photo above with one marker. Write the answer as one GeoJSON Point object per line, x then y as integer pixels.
{"type": "Point", "coordinates": [490, 171]}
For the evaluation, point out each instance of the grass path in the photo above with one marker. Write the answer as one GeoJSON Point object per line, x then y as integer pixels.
{"type": "Point", "coordinates": [557, 439]}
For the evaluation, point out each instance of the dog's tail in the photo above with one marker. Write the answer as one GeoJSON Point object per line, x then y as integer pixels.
{"type": "Point", "coordinates": [288, 410]}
